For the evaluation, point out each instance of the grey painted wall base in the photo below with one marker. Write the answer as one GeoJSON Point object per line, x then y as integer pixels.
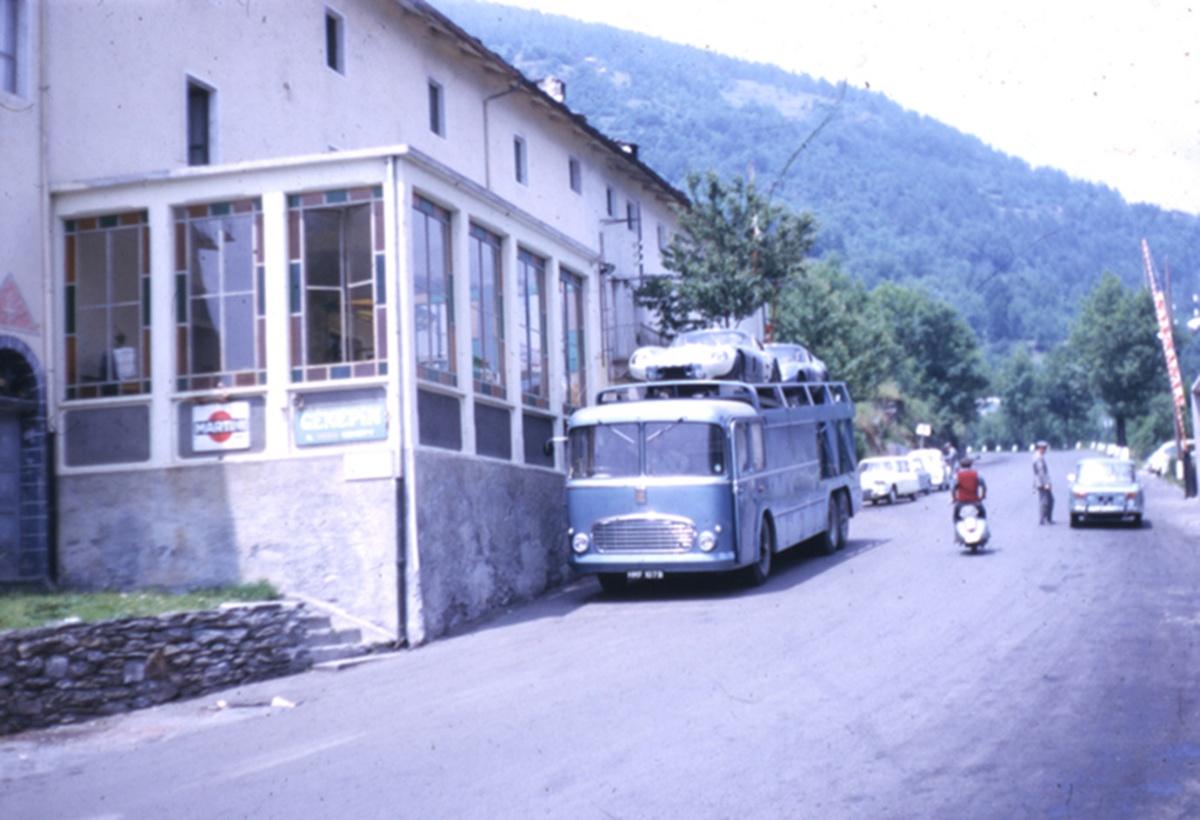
{"type": "Point", "coordinates": [491, 535]}
{"type": "Point", "coordinates": [296, 523]}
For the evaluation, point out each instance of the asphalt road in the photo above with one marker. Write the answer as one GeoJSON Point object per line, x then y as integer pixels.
{"type": "Point", "coordinates": [1052, 676]}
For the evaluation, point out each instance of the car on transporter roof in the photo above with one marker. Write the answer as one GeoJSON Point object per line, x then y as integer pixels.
{"type": "Point", "coordinates": [797, 363]}
{"type": "Point", "coordinates": [714, 353]}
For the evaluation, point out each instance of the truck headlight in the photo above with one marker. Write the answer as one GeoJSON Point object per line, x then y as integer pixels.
{"type": "Point", "coordinates": [707, 541]}
{"type": "Point", "coordinates": [580, 543]}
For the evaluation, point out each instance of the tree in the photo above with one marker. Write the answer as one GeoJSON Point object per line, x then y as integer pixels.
{"type": "Point", "coordinates": [1115, 338]}
{"type": "Point", "coordinates": [940, 360]}
{"type": "Point", "coordinates": [834, 316]}
{"type": "Point", "coordinates": [733, 253]}
{"type": "Point", "coordinates": [1021, 399]}
{"type": "Point", "coordinates": [1068, 395]}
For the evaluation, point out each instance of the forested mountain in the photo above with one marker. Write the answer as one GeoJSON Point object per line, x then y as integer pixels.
{"type": "Point", "coordinates": [898, 196]}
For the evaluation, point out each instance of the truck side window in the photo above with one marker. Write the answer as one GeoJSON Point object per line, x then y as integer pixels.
{"type": "Point", "coordinates": [748, 440]}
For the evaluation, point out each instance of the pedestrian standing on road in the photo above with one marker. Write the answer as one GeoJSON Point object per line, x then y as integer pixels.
{"type": "Point", "coordinates": [1041, 484]}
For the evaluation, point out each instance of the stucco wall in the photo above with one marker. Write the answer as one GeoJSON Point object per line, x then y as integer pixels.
{"type": "Point", "coordinates": [491, 536]}
{"type": "Point", "coordinates": [296, 523]}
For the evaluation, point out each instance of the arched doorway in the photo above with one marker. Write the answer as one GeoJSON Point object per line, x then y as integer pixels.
{"type": "Point", "coordinates": [24, 467]}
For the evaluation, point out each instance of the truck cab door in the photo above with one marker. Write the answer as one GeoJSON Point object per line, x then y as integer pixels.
{"type": "Point", "coordinates": [749, 486]}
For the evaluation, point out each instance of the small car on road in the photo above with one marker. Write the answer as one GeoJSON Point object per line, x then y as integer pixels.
{"type": "Point", "coordinates": [886, 478]}
{"type": "Point", "coordinates": [935, 464]}
{"type": "Point", "coordinates": [1105, 489]}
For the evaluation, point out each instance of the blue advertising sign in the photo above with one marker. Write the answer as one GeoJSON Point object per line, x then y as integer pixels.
{"type": "Point", "coordinates": [338, 418]}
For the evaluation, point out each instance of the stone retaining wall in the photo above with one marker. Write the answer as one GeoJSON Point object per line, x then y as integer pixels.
{"type": "Point", "coordinates": [72, 672]}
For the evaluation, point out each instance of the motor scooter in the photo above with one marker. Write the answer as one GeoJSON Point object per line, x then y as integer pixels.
{"type": "Point", "coordinates": [971, 527]}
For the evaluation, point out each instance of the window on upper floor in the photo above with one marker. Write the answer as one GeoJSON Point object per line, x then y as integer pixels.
{"type": "Point", "coordinates": [610, 201]}
{"type": "Point", "coordinates": [664, 238]}
{"type": "Point", "coordinates": [335, 41]}
{"type": "Point", "coordinates": [520, 161]}
{"type": "Point", "coordinates": [575, 175]}
{"type": "Point", "coordinates": [437, 109]}
{"type": "Point", "coordinates": [10, 46]}
{"type": "Point", "coordinates": [200, 100]}
{"type": "Point", "coordinates": [632, 215]}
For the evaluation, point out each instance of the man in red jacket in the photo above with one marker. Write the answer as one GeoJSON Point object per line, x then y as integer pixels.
{"type": "Point", "coordinates": [969, 488]}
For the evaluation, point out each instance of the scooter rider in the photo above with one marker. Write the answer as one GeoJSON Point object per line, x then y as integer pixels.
{"type": "Point", "coordinates": [969, 488]}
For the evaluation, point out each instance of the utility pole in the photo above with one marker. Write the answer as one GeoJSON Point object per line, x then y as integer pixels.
{"type": "Point", "coordinates": [1166, 335]}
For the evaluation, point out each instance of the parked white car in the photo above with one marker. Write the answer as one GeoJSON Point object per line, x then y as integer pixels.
{"type": "Point", "coordinates": [935, 464]}
{"type": "Point", "coordinates": [1160, 460]}
{"type": "Point", "coordinates": [717, 353]}
{"type": "Point", "coordinates": [886, 478]}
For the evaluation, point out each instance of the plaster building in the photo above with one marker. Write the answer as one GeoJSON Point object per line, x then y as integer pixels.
{"type": "Point", "coordinates": [298, 290]}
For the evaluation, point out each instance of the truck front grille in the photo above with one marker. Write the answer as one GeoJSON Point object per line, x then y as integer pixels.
{"type": "Point", "coordinates": [644, 534]}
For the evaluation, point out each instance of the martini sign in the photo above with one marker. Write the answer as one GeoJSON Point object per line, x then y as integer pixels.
{"type": "Point", "coordinates": [221, 426]}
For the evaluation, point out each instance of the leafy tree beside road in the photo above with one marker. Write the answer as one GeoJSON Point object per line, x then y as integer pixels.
{"type": "Point", "coordinates": [733, 253]}
{"type": "Point", "coordinates": [1115, 339]}
{"type": "Point", "coordinates": [940, 360]}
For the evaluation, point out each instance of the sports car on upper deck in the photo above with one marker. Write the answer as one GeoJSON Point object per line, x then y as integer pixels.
{"type": "Point", "coordinates": [716, 353]}
{"type": "Point", "coordinates": [797, 363]}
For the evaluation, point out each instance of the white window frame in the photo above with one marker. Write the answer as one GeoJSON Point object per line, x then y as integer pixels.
{"type": "Point", "coordinates": [337, 60]}
{"type": "Point", "coordinates": [575, 174]}
{"type": "Point", "coordinates": [520, 159]}
{"type": "Point", "coordinates": [211, 137]}
{"type": "Point", "coordinates": [437, 108]}
{"type": "Point", "coordinates": [610, 201]}
{"type": "Point", "coordinates": [16, 56]}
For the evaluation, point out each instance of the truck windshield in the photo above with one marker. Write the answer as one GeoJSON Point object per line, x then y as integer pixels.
{"type": "Point", "coordinates": [672, 448]}
{"type": "Point", "coordinates": [604, 451]}
{"type": "Point", "coordinates": [684, 448]}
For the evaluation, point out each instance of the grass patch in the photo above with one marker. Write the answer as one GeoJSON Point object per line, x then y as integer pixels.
{"type": "Point", "coordinates": [26, 610]}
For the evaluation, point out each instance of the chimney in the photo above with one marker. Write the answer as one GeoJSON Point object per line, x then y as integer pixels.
{"type": "Point", "coordinates": [555, 88]}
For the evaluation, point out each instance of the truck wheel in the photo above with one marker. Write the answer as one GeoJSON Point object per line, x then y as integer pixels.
{"type": "Point", "coordinates": [613, 582]}
{"type": "Point", "coordinates": [834, 537]}
{"type": "Point", "coordinates": [757, 573]}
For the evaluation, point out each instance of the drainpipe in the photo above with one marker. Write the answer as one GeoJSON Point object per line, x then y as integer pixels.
{"type": "Point", "coordinates": [48, 323]}
{"type": "Point", "coordinates": [412, 609]}
{"type": "Point", "coordinates": [49, 347]}
{"type": "Point", "coordinates": [487, 142]}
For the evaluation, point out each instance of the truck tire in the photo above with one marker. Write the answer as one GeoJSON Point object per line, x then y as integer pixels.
{"type": "Point", "coordinates": [757, 573]}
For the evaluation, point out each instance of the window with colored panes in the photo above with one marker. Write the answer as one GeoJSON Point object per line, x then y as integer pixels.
{"type": "Point", "coordinates": [574, 372]}
{"type": "Point", "coordinates": [487, 312]}
{"type": "Point", "coordinates": [337, 300]}
{"type": "Point", "coordinates": [107, 315]}
{"type": "Point", "coordinates": [219, 305]}
{"type": "Point", "coordinates": [531, 329]}
{"type": "Point", "coordinates": [433, 292]}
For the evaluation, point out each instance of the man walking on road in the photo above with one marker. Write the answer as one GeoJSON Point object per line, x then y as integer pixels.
{"type": "Point", "coordinates": [1041, 483]}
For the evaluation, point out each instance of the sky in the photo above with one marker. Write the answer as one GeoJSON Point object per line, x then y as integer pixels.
{"type": "Point", "coordinates": [1108, 92]}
